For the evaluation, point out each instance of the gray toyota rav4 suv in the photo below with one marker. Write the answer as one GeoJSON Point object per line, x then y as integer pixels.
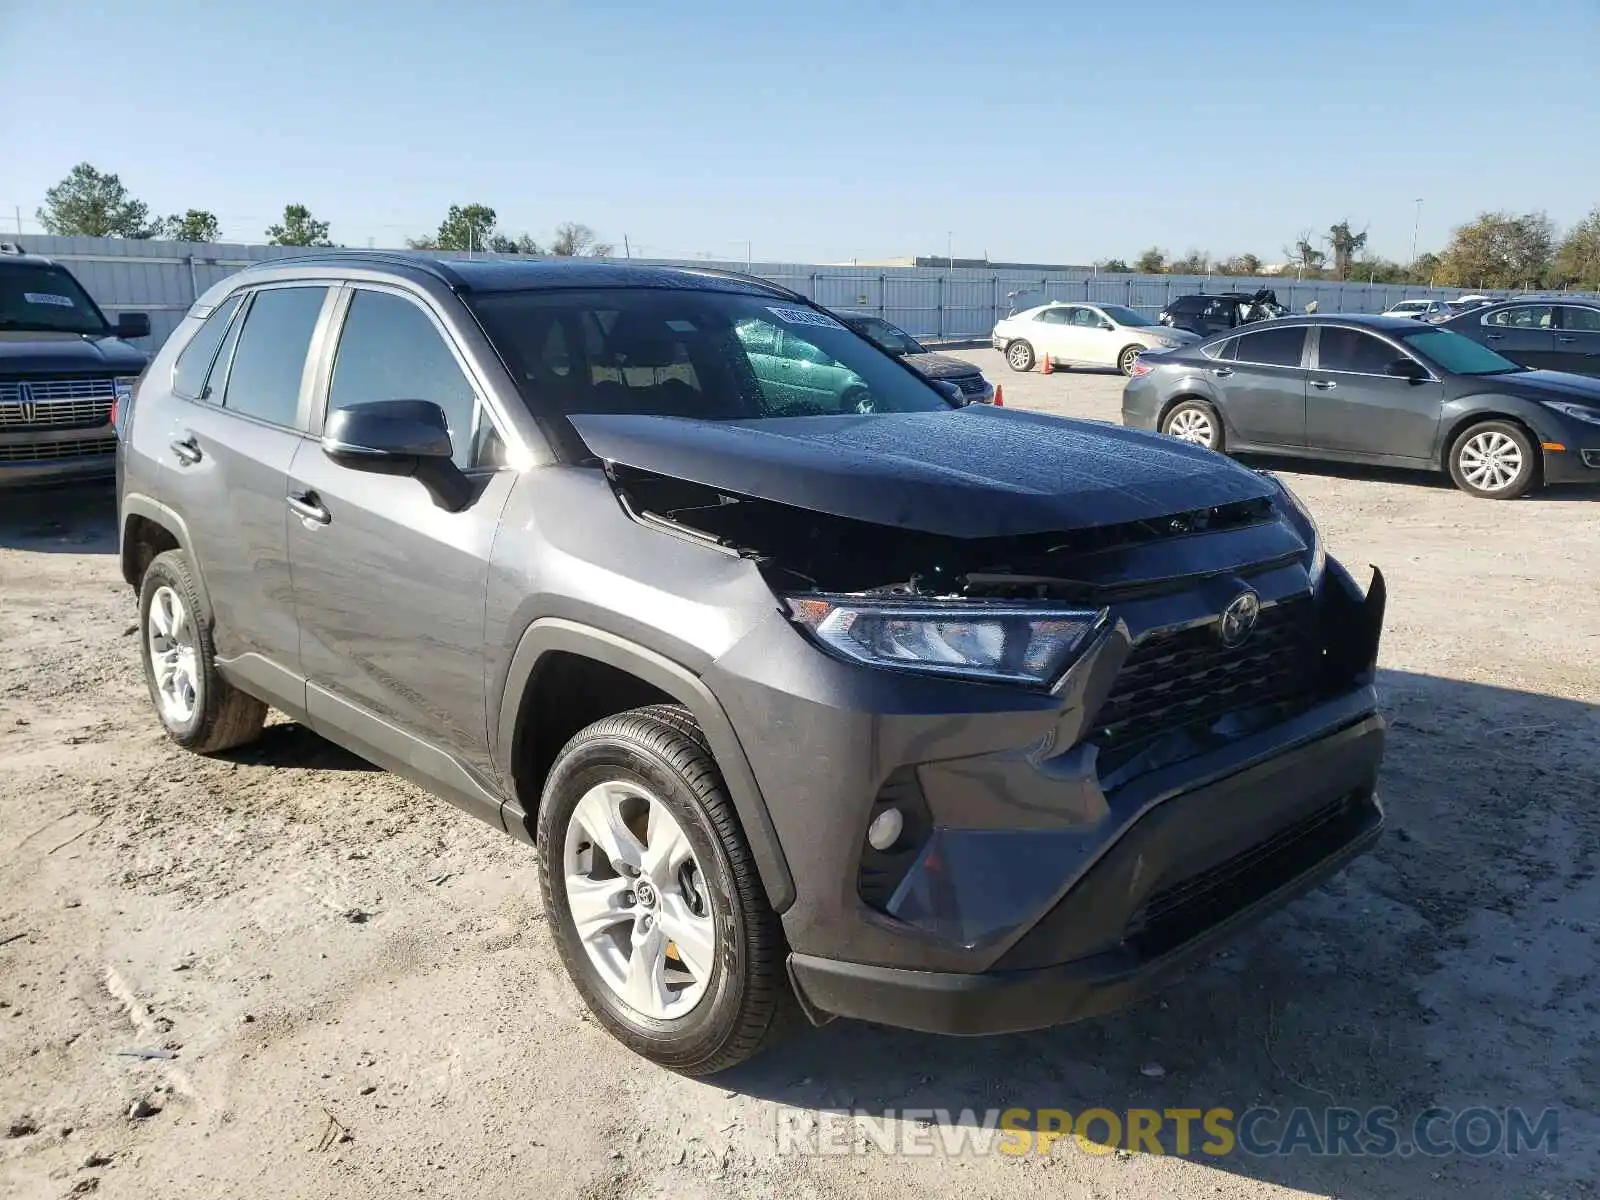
{"type": "Point", "coordinates": [965, 719]}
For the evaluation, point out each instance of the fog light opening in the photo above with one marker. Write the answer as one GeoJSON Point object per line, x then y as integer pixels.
{"type": "Point", "coordinates": [885, 829]}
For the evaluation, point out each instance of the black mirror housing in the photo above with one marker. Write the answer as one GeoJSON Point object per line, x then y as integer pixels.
{"type": "Point", "coordinates": [132, 325]}
{"type": "Point", "coordinates": [399, 437]}
{"type": "Point", "coordinates": [1406, 368]}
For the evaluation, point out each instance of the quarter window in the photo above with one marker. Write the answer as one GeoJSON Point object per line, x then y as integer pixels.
{"type": "Point", "coordinates": [391, 350]}
{"type": "Point", "coordinates": [1272, 347]}
{"type": "Point", "coordinates": [194, 364]}
{"type": "Point", "coordinates": [1584, 320]}
{"type": "Point", "coordinates": [1526, 316]}
{"type": "Point", "coordinates": [1354, 351]}
{"type": "Point", "coordinates": [264, 379]}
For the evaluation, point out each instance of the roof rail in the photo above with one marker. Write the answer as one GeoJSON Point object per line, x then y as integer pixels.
{"type": "Point", "coordinates": [420, 260]}
{"type": "Point", "coordinates": [743, 277]}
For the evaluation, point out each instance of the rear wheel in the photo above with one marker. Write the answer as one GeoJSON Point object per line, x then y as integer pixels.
{"type": "Point", "coordinates": [1194, 421]}
{"type": "Point", "coordinates": [1020, 356]}
{"type": "Point", "coordinates": [1128, 356]}
{"type": "Point", "coordinates": [1494, 459]}
{"type": "Point", "coordinates": [653, 896]}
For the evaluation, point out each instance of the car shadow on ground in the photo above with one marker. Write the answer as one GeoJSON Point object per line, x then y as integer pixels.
{"type": "Point", "coordinates": [1453, 966]}
{"type": "Point", "coordinates": [290, 744]}
{"type": "Point", "coordinates": [81, 519]}
{"type": "Point", "coordinates": [1437, 480]}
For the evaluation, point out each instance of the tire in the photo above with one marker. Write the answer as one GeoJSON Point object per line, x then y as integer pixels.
{"type": "Point", "coordinates": [1127, 356]}
{"type": "Point", "coordinates": [621, 774]}
{"type": "Point", "coordinates": [1195, 422]}
{"type": "Point", "coordinates": [1495, 460]}
{"type": "Point", "coordinates": [1019, 355]}
{"type": "Point", "coordinates": [199, 709]}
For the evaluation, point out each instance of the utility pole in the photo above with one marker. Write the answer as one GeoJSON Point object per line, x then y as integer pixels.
{"type": "Point", "coordinates": [747, 257]}
{"type": "Point", "coordinates": [950, 249]}
{"type": "Point", "coordinates": [627, 250]}
{"type": "Point", "coordinates": [19, 218]}
{"type": "Point", "coordinates": [1416, 224]}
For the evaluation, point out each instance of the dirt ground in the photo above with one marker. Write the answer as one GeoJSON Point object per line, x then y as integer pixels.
{"type": "Point", "coordinates": [350, 988]}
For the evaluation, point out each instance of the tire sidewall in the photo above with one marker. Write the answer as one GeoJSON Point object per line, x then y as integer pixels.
{"type": "Point", "coordinates": [699, 1033]}
{"type": "Point", "coordinates": [1033, 358]}
{"type": "Point", "coordinates": [1127, 356]}
{"type": "Point", "coordinates": [1201, 406]}
{"type": "Point", "coordinates": [161, 574]}
{"type": "Point", "coordinates": [1525, 479]}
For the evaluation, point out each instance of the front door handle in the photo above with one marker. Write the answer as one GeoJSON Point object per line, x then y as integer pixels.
{"type": "Point", "coordinates": [1222, 372]}
{"type": "Point", "coordinates": [188, 451]}
{"type": "Point", "coordinates": [306, 505]}
{"type": "Point", "coordinates": [1566, 341]}
{"type": "Point", "coordinates": [1494, 337]}
{"type": "Point", "coordinates": [1324, 385]}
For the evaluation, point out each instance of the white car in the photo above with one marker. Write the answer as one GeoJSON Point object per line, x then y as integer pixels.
{"type": "Point", "coordinates": [1083, 335]}
{"type": "Point", "coordinates": [1420, 310]}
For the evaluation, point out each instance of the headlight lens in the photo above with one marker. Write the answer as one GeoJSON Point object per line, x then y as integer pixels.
{"type": "Point", "coordinates": [1577, 412]}
{"type": "Point", "coordinates": [995, 643]}
{"type": "Point", "coordinates": [1319, 552]}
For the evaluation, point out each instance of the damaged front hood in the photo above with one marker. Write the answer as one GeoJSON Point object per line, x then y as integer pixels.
{"type": "Point", "coordinates": [974, 472]}
{"type": "Point", "coordinates": [939, 366]}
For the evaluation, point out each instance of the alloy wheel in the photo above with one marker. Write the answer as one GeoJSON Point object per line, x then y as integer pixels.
{"type": "Point", "coordinates": [1192, 425]}
{"type": "Point", "coordinates": [638, 900]}
{"type": "Point", "coordinates": [174, 658]}
{"type": "Point", "coordinates": [1491, 460]}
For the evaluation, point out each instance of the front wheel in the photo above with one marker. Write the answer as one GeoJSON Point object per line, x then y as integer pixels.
{"type": "Point", "coordinates": [1194, 421]}
{"type": "Point", "coordinates": [653, 895]}
{"type": "Point", "coordinates": [1129, 356]}
{"type": "Point", "coordinates": [1019, 355]}
{"type": "Point", "coordinates": [1495, 460]}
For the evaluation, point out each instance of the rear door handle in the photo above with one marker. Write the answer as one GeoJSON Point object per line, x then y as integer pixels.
{"type": "Point", "coordinates": [188, 450]}
{"type": "Point", "coordinates": [1222, 372]}
{"type": "Point", "coordinates": [1566, 340]}
{"type": "Point", "coordinates": [1493, 337]}
{"type": "Point", "coordinates": [1324, 385]}
{"type": "Point", "coordinates": [306, 505]}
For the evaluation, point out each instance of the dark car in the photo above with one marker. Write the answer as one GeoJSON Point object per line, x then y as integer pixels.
{"type": "Point", "coordinates": [1208, 314]}
{"type": "Point", "coordinates": [63, 367]}
{"type": "Point", "coordinates": [891, 339]}
{"type": "Point", "coordinates": [1375, 390]}
{"type": "Point", "coordinates": [1551, 335]}
{"type": "Point", "coordinates": [954, 717]}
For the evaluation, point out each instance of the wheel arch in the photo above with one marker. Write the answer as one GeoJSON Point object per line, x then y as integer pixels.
{"type": "Point", "coordinates": [1455, 424]}
{"type": "Point", "coordinates": [552, 639]}
{"type": "Point", "coordinates": [146, 528]}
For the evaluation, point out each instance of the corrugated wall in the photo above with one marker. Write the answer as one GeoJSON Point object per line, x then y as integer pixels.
{"type": "Point", "coordinates": [163, 279]}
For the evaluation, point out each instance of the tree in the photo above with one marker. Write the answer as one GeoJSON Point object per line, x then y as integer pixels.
{"type": "Point", "coordinates": [1196, 262]}
{"type": "Point", "coordinates": [196, 225]}
{"type": "Point", "coordinates": [1378, 270]}
{"type": "Point", "coordinates": [1498, 250]}
{"type": "Point", "coordinates": [299, 228]}
{"type": "Point", "coordinates": [575, 240]}
{"type": "Point", "coordinates": [1239, 264]}
{"type": "Point", "coordinates": [1152, 262]}
{"type": "Point", "coordinates": [465, 227]}
{"type": "Point", "coordinates": [1426, 268]}
{"type": "Point", "coordinates": [1115, 265]}
{"type": "Point", "coordinates": [1344, 243]}
{"type": "Point", "coordinates": [1577, 262]}
{"type": "Point", "coordinates": [90, 203]}
{"type": "Point", "coordinates": [1303, 254]}
{"type": "Point", "coordinates": [501, 244]}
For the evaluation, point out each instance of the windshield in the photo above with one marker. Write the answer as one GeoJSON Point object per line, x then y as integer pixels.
{"type": "Point", "coordinates": [1123, 315]}
{"type": "Point", "coordinates": [46, 299]}
{"type": "Point", "coordinates": [1458, 355]}
{"type": "Point", "coordinates": [887, 336]}
{"type": "Point", "coordinates": [714, 356]}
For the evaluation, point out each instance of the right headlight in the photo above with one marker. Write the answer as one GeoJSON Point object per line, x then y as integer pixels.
{"type": "Point", "coordinates": [1319, 552]}
{"type": "Point", "coordinates": [992, 643]}
{"type": "Point", "coordinates": [1577, 412]}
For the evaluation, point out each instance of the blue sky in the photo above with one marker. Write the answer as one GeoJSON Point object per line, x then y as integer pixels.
{"type": "Point", "coordinates": [1045, 130]}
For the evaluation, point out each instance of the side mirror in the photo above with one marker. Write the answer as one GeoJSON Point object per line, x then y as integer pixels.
{"type": "Point", "coordinates": [133, 325]}
{"type": "Point", "coordinates": [399, 437]}
{"type": "Point", "coordinates": [1107, 325]}
{"type": "Point", "coordinates": [1406, 368]}
{"type": "Point", "coordinates": [950, 391]}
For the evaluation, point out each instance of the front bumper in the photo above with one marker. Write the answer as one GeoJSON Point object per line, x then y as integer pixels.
{"type": "Point", "coordinates": [1182, 879]}
{"type": "Point", "coordinates": [57, 455]}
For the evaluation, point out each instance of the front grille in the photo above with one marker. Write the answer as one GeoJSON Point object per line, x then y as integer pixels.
{"type": "Point", "coordinates": [46, 403]}
{"type": "Point", "coordinates": [45, 451]}
{"type": "Point", "coordinates": [1189, 680]}
{"type": "Point", "coordinates": [1188, 907]}
{"type": "Point", "coordinates": [971, 385]}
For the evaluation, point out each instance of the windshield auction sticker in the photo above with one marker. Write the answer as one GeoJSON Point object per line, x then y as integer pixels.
{"type": "Point", "coordinates": [48, 298]}
{"type": "Point", "coordinates": [804, 316]}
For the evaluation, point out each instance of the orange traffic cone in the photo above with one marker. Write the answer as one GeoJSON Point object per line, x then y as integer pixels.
{"type": "Point", "coordinates": [999, 395]}
{"type": "Point", "coordinates": [1047, 369]}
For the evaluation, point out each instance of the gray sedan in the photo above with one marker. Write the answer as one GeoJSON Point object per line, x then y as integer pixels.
{"type": "Point", "coordinates": [1382, 390]}
{"type": "Point", "coordinates": [1560, 335]}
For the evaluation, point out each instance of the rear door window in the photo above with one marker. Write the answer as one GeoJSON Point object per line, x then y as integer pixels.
{"type": "Point", "coordinates": [1272, 347]}
{"type": "Point", "coordinates": [194, 363]}
{"type": "Point", "coordinates": [270, 358]}
{"type": "Point", "coordinates": [1583, 320]}
{"type": "Point", "coordinates": [1353, 351]}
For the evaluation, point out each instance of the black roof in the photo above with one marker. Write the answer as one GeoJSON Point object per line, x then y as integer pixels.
{"type": "Point", "coordinates": [517, 274]}
{"type": "Point", "coordinates": [1395, 325]}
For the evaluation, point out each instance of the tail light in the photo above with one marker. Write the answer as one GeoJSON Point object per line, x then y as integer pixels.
{"type": "Point", "coordinates": [1140, 368]}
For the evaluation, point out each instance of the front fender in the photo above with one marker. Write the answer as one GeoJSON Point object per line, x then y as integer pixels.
{"type": "Point", "coordinates": [1462, 411]}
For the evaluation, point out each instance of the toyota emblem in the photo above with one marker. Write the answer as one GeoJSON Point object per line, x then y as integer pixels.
{"type": "Point", "coordinates": [1239, 618]}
